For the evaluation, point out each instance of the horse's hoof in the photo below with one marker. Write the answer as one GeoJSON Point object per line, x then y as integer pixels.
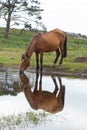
{"type": "Point", "coordinates": [59, 65]}
{"type": "Point", "coordinates": [52, 65]}
{"type": "Point", "coordinates": [21, 71]}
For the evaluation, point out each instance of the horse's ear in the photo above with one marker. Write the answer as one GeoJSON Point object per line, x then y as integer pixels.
{"type": "Point", "coordinates": [22, 56]}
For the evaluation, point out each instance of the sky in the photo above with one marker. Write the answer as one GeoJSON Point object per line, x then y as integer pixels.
{"type": "Point", "coordinates": [68, 15]}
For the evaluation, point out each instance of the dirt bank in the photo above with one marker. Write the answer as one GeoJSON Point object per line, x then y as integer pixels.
{"type": "Point", "coordinates": [66, 72]}
{"type": "Point", "coordinates": [55, 70]}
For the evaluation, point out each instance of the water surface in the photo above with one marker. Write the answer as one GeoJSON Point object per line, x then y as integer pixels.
{"type": "Point", "coordinates": [73, 116]}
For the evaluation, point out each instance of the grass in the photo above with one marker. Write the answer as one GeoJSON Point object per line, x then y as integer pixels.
{"type": "Point", "coordinates": [76, 48]}
{"type": "Point", "coordinates": [22, 121]}
{"type": "Point", "coordinates": [11, 50]}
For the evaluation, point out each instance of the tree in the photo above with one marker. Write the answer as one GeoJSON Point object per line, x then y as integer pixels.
{"type": "Point", "coordinates": [19, 12]}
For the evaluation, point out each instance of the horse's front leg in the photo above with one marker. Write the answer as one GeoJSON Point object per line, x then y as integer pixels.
{"type": "Point", "coordinates": [41, 61]}
{"type": "Point", "coordinates": [36, 83]}
{"type": "Point", "coordinates": [40, 82]}
{"type": "Point", "coordinates": [37, 61]}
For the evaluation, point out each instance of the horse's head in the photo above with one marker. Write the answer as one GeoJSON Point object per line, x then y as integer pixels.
{"type": "Point", "coordinates": [25, 62]}
{"type": "Point", "coordinates": [24, 81]}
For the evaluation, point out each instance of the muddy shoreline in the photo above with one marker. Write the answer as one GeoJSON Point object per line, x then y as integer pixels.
{"type": "Point", "coordinates": [51, 71]}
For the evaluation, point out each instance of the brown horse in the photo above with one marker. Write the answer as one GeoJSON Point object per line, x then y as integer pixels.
{"type": "Point", "coordinates": [39, 99]}
{"type": "Point", "coordinates": [55, 40]}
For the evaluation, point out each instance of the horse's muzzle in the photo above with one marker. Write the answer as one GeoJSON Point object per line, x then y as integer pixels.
{"type": "Point", "coordinates": [21, 71]}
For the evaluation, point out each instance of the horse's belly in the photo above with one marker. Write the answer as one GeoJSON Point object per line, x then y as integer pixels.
{"type": "Point", "coordinates": [47, 48]}
{"type": "Point", "coordinates": [51, 44]}
{"type": "Point", "coordinates": [48, 44]}
{"type": "Point", "coordinates": [51, 47]}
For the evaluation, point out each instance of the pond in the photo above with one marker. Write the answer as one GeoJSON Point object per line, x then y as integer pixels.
{"type": "Point", "coordinates": [31, 102]}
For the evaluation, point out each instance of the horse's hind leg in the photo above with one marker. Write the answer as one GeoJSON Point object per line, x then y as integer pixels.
{"type": "Point", "coordinates": [61, 95]}
{"type": "Point", "coordinates": [61, 59]}
{"type": "Point", "coordinates": [57, 56]}
{"type": "Point", "coordinates": [56, 86]}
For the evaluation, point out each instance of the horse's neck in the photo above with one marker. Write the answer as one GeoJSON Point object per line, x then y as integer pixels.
{"type": "Point", "coordinates": [29, 95]}
{"type": "Point", "coordinates": [30, 98]}
{"type": "Point", "coordinates": [30, 49]}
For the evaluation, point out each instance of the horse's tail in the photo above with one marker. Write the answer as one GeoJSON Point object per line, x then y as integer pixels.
{"type": "Point", "coordinates": [65, 47]}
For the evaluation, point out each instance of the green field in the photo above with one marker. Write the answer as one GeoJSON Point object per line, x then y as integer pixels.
{"type": "Point", "coordinates": [12, 48]}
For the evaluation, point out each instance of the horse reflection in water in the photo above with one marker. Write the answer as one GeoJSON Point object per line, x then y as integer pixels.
{"type": "Point", "coordinates": [39, 99]}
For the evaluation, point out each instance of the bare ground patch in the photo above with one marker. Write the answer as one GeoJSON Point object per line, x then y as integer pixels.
{"type": "Point", "coordinates": [80, 59]}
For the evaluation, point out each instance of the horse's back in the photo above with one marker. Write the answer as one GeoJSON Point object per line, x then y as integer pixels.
{"type": "Point", "coordinates": [54, 35]}
{"type": "Point", "coordinates": [45, 97]}
{"type": "Point", "coordinates": [49, 41]}
{"type": "Point", "coordinates": [45, 100]}
{"type": "Point", "coordinates": [55, 31]}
